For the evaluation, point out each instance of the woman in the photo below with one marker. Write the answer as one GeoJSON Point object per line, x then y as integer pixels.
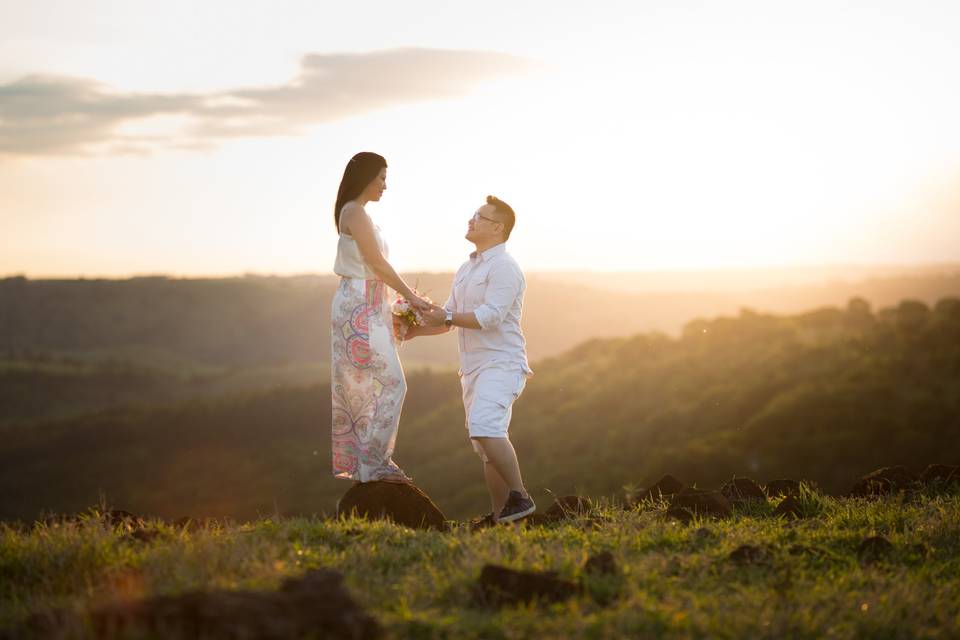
{"type": "Point", "coordinates": [366, 377]}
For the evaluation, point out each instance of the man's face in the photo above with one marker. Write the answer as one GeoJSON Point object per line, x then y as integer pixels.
{"type": "Point", "coordinates": [485, 225]}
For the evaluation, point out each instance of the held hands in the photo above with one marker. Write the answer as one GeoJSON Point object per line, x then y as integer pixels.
{"type": "Point", "coordinates": [434, 316]}
{"type": "Point", "coordinates": [408, 312]}
{"type": "Point", "coordinates": [419, 303]}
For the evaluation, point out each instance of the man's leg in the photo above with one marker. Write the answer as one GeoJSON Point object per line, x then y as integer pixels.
{"type": "Point", "coordinates": [503, 458]}
{"type": "Point", "coordinates": [497, 487]}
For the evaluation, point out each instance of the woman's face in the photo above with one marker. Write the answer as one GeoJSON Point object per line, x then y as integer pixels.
{"type": "Point", "coordinates": [376, 187]}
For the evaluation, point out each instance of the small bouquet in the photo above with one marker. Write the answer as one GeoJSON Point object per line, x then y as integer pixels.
{"type": "Point", "coordinates": [406, 313]}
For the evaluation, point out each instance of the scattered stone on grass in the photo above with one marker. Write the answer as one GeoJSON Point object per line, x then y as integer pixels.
{"type": "Point", "coordinates": [316, 603]}
{"type": "Point", "coordinates": [601, 563]}
{"type": "Point", "coordinates": [783, 487]}
{"type": "Point", "coordinates": [874, 549]}
{"type": "Point", "coordinates": [741, 490]}
{"type": "Point", "coordinates": [666, 487]}
{"type": "Point", "coordinates": [884, 481]}
{"type": "Point", "coordinates": [601, 579]}
{"type": "Point", "coordinates": [940, 474]}
{"type": "Point", "coordinates": [500, 586]}
{"type": "Point", "coordinates": [403, 504]}
{"type": "Point", "coordinates": [690, 502]}
{"type": "Point", "coordinates": [748, 554]}
{"type": "Point", "coordinates": [789, 507]}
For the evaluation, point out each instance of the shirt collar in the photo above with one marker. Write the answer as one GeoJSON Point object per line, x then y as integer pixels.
{"type": "Point", "coordinates": [495, 250]}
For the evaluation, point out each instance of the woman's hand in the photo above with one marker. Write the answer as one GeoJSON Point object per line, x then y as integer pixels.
{"type": "Point", "coordinates": [419, 303]}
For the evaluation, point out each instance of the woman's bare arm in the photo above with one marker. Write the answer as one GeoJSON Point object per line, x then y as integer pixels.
{"type": "Point", "coordinates": [358, 224]}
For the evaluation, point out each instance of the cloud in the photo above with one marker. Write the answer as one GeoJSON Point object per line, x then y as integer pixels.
{"type": "Point", "coordinates": [57, 115]}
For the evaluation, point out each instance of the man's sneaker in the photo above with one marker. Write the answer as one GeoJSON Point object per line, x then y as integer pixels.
{"type": "Point", "coordinates": [516, 507]}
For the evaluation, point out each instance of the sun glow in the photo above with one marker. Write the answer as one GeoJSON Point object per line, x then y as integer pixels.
{"type": "Point", "coordinates": [662, 137]}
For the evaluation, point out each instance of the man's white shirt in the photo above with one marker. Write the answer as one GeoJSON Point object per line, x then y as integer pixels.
{"type": "Point", "coordinates": [491, 285]}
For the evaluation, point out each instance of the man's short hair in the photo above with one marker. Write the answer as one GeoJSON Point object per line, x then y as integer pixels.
{"type": "Point", "coordinates": [506, 212]}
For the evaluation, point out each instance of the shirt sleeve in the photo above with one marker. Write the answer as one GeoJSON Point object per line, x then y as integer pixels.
{"type": "Point", "coordinates": [504, 284]}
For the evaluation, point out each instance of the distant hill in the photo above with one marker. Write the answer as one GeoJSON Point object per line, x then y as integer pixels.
{"type": "Point", "coordinates": [208, 325]}
{"type": "Point", "coordinates": [827, 395]}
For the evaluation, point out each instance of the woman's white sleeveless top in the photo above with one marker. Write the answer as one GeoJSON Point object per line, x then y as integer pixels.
{"type": "Point", "coordinates": [349, 262]}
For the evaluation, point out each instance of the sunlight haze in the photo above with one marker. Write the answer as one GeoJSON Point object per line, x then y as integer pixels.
{"type": "Point", "coordinates": [191, 139]}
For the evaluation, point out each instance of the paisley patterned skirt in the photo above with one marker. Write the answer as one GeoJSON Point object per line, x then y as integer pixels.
{"type": "Point", "coordinates": [367, 382]}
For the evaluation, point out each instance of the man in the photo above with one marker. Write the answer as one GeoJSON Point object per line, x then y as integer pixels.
{"type": "Point", "coordinates": [485, 304]}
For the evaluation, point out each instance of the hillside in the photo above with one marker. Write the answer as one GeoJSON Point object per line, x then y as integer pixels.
{"type": "Point", "coordinates": [211, 325]}
{"type": "Point", "coordinates": [853, 568]}
{"type": "Point", "coordinates": [826, 395]}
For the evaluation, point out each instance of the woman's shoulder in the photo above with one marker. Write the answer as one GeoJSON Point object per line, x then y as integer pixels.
{"type": "Point", "coordinates": [352, 208]}
{"type": "Point", "coordinates": [351, 211]}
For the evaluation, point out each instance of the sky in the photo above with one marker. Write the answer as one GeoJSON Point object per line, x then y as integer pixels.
{"type": "Point", "coordinates": [209, 138]}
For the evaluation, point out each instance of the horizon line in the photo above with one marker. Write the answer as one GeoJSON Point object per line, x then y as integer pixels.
{"type": "Point", "coordinates": [905, 266]}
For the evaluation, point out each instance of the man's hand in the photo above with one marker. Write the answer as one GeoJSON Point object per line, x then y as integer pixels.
{"type": "Point", "coordinates": [434, 317]}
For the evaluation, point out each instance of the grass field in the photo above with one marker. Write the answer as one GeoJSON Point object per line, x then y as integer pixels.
{"type": "Point", "coordinates": [806, 578]}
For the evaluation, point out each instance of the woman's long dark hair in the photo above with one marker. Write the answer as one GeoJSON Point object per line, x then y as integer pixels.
{"type": "Point", "coordinates": [360, 171]}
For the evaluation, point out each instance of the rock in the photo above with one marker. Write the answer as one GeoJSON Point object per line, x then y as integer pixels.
{"type": "Point", "coordinates": [689, 502]}
{"type": "Point", "coordinates": [940, 474]}
{"type": "Point", "coordinates": [601, 579]}
{"type": "Point", "coordinates": [119, 517]}
{"type": "Point", "coordinates": [884, 481]}
{"type": "Point", "coordinates": [600, 564]}
{"type": "Point", "coordinates": [874, 548]}
{"type": "Point", "coordinates": [666, 487]}
{"type": "Point", "coordinates": [789, 507]}
{"type": "Point", "coordinates": [569, 507]}
{"type": "Point", "coordinates": [316, 604]}
{"type": "Point", "coordinates": [740, 490]}
{"type": "Point", "coordinates": [783, 487]}
{"type": "Point", "coordinates": [748, 554]}
{"type": "Point", "coordinates": [142, 535]}
{"type": "Point", "coordinates": [501, 586]}
{"type": "Point", "coordinates": [401, 503]}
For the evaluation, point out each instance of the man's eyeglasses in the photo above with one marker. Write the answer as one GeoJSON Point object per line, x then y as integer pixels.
{"type": "Point", "coordinates": [478, 216]}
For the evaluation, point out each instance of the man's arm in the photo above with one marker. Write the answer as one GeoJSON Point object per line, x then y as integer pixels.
{"type": "Point", "coordinates": [413, 332]}
{"type": "Point", "coordinates": [435, 318]}
{"type": "Point", "coordinates": [504, 284]}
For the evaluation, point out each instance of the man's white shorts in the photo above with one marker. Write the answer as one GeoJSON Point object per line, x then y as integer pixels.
{"type": "Point", "coordinates": [488, 397]}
